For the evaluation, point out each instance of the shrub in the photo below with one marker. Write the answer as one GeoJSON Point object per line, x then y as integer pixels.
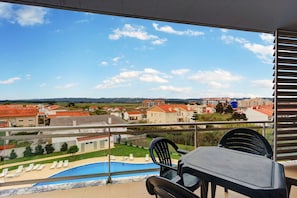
{"type": "Point", "coordinates": [64, 147]}
{"type": "Point", "coordinates": [28, 152]}
{"type": "Point", "coordinates": [39, 150]}
{"type": "Point", "coordinates": [13, 154]}
{"type": "Point", "coordinates": [49, 148]}
{"type": "Point", "coordinates": [72, 149]}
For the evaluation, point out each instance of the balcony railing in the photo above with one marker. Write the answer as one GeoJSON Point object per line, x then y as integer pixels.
{"type": "Point", "coordinates": [111, 132]}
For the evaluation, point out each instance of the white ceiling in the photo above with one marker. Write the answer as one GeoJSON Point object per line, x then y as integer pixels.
{"type": "Point", "coordinates": [250, 15]}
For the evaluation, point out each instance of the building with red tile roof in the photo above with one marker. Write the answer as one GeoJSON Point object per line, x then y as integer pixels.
{"type": "Point", "coordinates": [68, 114]}
{"type": "Point", "coordinates": [167, 113]}
{"type": "Point", "coordinates": [136, 115]}
{"type": "Point", "coordinates": [259, 113]}
{"type": "Point", "coordinates": [19, 115]}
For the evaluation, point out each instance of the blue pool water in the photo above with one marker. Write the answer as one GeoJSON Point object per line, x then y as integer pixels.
{"type": "Point", "coordinates": [101, 167]}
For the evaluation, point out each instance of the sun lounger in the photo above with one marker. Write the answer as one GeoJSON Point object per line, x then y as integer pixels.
{"type": "Point", "coordinates": [65, 164]}
{"type": "Point", "coordinates": [29, 168]}
{"type": "Point", "coordinates": [60, 164]}
{"type": "Point", "coordinates": [16, 173]}
{"type": "Point", "coordinates": [147, 157]}
{"type": "Point", "coordinates": [40, 167]}
{"type": "Point", "coordinates": [4, 172]}
{"type": "Point", "coordinates": [54, 164]}
{"type": "Point", "coordinates": [131, 157]}
{"type": "Point", "coordinates": [36, 167]}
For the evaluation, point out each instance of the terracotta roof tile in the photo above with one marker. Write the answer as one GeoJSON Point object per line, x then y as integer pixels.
{"type": "Point", "coordinates": [17, 111]}
{"type": "Point", "coordinates": [69, 114]}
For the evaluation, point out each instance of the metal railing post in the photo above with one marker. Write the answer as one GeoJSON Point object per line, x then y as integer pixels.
{"type": "Point", "coordinates": [195, 137]}
{"type": "Point", "coordinates": [109, 154]}
{"type": "Point", "coordinates": [263, 129]}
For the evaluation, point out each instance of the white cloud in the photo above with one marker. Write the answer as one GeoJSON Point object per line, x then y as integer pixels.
{"type": "Point", "coordinates": [66, 86]}
{"type": "Point", "coordinates": [6, 11]}
{"type": "Point", "coordinates": [218, 85]}
{"type": "Point", "coordinates": [263, 83]}
{"type": "Point", "coordinates": [263, 52]}
{"type": "Point", "coordinates": [267, 38]}
{"type": "Point", "coordinates": [215, 79]}
{"type": "Point", "coordinates": [168, 29]}
{"type": "Point", "coordinates": [116, 59]}
{"type": "Point", "coordinates": [152, 78]}
{"type": "Point", "coordinates": [29, 15]}
{"type": "Point", "coordinates": [104, 63]}
{"type": "Point", "coordinates": [224, 30]}
{"type": "Point", "coordinates": [151, 71]}
{"type": "Point", "coordinates": [23, 15]}
{"type": "Point", "coordinates": [180, 72]}
{"type": "Point", "coordinates": [217, 75]}
{"type": "Point", "coordinates": [137, 32]}
{"type": "Point", "coordinates": [231, 39]}
{"type": "Point", "coordinates": [122, 79]}
{"type": "Point", "coordinates": [9, 81]}
{"type": "Point", "coordinates": [174, 89]}
{"type": "Point", "coordinates": [159, 41]}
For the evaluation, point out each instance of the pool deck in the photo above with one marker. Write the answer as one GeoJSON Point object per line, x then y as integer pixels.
{"type": "Point", "coordinates": [136, 190]}
{"type": "Point", "coordinates": [133, 189]}
{"type": "Point", "coordinates": [47, 171]}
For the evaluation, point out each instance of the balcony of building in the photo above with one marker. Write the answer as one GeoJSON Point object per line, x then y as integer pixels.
{"type": "Point", "coordinates": [23, 185]}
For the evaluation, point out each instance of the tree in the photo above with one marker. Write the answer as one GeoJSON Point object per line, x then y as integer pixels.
{"type": "Point", "coordinates": [219, 108]}
{"type": "Point", "coordinates": [73, 149]}
{"type": "Point", "coordinates": [49, 148]}
{"type": "Point", "coordinates": [238, 116]}
{"type": "Point", "coordinates": [64, 147]}
{"type": "Point", "coordinates": [39, 150]}
{"type": "Point", "coordinates": [13, 154]}
{"type": "Point", "coordinates": [28, 152]}
{"type": "Point", "coordinates": [228, 109]}
{"type": "Point", "coordinates": [195, 116]}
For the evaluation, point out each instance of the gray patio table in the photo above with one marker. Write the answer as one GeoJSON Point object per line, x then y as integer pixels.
{"type": "Point", "coordinates": [248, 174]}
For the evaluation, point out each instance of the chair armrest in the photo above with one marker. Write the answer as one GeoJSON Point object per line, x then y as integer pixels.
{"type": "Point", "coordinates": [167, 166]}
{"type": "Point", "coordinates": [181, 151]}
{"type": "Point", "coordinates": [290, 182]}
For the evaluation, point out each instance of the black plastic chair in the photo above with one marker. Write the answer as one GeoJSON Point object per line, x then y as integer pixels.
{"type": "Point", "coordinates": [245, 140]}
{"type": "Point", "coordinates": [164, 188]}
{"type": "Point", "coordinates": [290, 182]}
{"type": "Point", "coordinates": [160, 154]}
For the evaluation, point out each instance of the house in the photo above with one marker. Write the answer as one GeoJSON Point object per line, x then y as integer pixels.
{"type": "Point", "coordinates": [259, 113]}
{"type": "Point", "coordinates": [151, 103]}
{"type": "Point", "coordinates": [19, 115]}
{"type": "Point", "coordinates": [135, 115]}
{"type": "Point", "coordinates": [76, 113]}
{"type": "Point", "coordinates": [93, 108]}
{"type": "Point", "coordinates": [168, 113]}
{"type": "Point", "coordinates": [86, 143]}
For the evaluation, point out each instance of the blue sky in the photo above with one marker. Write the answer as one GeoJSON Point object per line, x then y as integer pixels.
{"type": "Point", "coordinates": [49, 53]}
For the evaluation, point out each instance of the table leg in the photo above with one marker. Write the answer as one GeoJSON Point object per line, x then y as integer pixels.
{"type": "Point", "coordinates": [213, 190]}
{"type": "Point", "coordinates": [204, 189]}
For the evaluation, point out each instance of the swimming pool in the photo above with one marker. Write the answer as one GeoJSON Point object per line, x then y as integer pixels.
{"type": "Point", "coordinates": [101, 167]}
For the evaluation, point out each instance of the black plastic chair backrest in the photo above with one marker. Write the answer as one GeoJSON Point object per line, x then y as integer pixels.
{"type": "Point", "coordinates": [246, 140]}
{"type": "Point", "coordinates": [160, 147]}
{"type": "Point", "coordinates": [164, 188]}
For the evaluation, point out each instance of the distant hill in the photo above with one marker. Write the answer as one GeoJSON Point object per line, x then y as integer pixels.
{"type": "Point", "coordinates": [94, 100]}
{"type": "Point", "coordinates": [108, 100]}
